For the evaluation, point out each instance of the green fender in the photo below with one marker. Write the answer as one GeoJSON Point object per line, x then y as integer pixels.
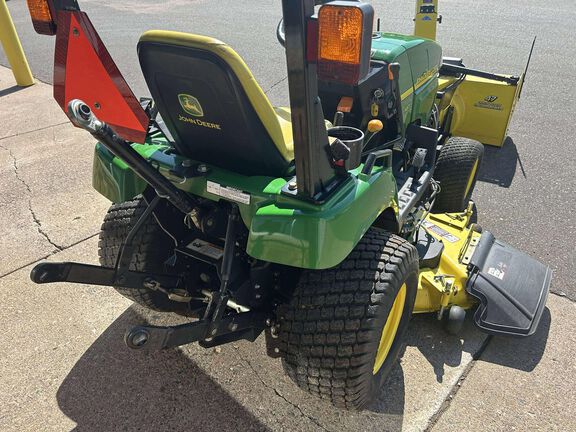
{"type": "Point", "coordinates": [321, 237]}
{"type": "Point", "coordinates": [283, 229]}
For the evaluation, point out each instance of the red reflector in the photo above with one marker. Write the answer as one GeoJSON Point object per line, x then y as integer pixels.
{"type": "Point", "coordinates": [85, 70]}
{"type": "Point", "coordinates": [312, 41]}
{"type": "Point", "coordinates": [342, 72]}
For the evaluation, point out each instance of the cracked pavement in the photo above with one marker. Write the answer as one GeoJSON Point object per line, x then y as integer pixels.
{"type": "Point", "coordinates": [32, 213]}
{"type": "Point", "coordinates": [64, 365]}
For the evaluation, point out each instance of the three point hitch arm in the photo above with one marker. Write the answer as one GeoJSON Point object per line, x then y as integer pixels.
{"type": "Point", "coordinates": [214, 328]}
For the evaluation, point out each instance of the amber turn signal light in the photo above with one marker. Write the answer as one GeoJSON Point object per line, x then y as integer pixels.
{"type": "Point", "coordinates": [344, 41]}
{"type": "Point", "coordinates": [43, 16]}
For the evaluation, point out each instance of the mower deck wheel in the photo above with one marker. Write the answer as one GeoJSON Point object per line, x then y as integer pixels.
{"type": "Point", "coordinates": [457, 171]}
{"type": "Point", "coordinates": [154, 247]}
{"type": "Point", "coordinates": [454, 320]}
{"type": "Point", "coordinates": [342, 332]}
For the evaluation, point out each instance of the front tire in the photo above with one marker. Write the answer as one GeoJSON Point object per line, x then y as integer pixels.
{"type": "Point", "coordinates": [343, 329]}
{"type": "Point", "coordinates": [457, 171]}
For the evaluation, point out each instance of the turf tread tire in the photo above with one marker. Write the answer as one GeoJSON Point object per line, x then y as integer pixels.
{"type": "Point", "coordinates": [330, 331]}
{"type": "Point", "coordinates": [152, 249]}
{"type": "Point", "coordinates": [453, 169]}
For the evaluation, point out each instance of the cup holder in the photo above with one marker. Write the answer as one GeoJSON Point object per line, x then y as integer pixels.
{"type": "Point", "coordinates": [354, 139]}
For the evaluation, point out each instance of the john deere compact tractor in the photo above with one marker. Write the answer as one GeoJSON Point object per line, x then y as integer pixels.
{"type": "Point", "coordinates": [325, 224]}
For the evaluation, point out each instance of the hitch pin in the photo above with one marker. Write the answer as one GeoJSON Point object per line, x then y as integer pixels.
{"type": "Point", "coordinates": [230, 303]}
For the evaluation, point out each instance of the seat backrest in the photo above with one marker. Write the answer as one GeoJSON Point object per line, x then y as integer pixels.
{"type": "Point", "coordinates": [212, 105]}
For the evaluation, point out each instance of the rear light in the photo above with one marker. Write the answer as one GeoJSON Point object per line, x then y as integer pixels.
{"type": "Point", "coordinates": [43, 16]}
{"type": "Point", "coordinates": [345, 36]}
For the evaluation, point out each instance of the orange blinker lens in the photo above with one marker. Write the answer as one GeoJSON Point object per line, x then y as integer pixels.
{"type": "Point", "coordinates": [340, 34]}
{"type": "Point", "coordinates": [344, 40]}
{"type": "Point", "coordinates": [42, 18]}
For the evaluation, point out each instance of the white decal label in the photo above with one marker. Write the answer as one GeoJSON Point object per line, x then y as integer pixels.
{"type": "Point", "coordinates": [440, 232]}
{"type": "Point", "coordinates": [205, 248]}
{"type": "Point", "coordinates": [228, 192]}
{"type": "Point", "coordinates": [499, 274]}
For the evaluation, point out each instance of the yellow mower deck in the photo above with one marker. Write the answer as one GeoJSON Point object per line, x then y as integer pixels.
{"type": "Point", "coordinates": [461, 266]}
{"type": "Point", "coordinates": [445, 285]}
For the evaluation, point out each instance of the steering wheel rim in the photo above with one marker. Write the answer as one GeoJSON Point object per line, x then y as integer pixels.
{"type": "Point", "coordinates": [281, 34]}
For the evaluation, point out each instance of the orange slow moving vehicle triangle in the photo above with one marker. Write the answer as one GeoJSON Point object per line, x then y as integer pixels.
{"type": "Point", "coordinates": [85, 70]}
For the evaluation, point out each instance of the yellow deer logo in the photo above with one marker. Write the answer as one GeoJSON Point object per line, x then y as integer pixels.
{"type": "Point", "coordinates": [191, 105]}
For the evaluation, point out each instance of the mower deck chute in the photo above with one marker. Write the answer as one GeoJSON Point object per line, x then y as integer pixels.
{"type": "Point", "coordinates": [511, 286]}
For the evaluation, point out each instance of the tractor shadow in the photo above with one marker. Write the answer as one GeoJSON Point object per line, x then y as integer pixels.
{"type": "Point", "coordinates": [442, 349]}
{"type": "Point", "coordinates": [499, 164]}
{"type": "Point", "coordinates": [114, 388]}
{"type": "Point", "coordinates": [520, 353]}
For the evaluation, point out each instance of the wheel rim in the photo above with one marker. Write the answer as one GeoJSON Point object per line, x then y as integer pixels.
{"type": "Point", "coordinates": [390, 329]}
{"type": "Point", "coordinates": [471, 179]}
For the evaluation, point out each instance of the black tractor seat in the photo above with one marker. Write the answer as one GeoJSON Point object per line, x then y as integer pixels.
{"type": "Point", "coordinates": [212, 105]}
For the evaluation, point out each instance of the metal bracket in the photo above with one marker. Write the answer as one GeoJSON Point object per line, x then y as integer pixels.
{"type": "Point", "coordinates": [235, 327]}
{"type": "Point", "coordinates": [95, 275]}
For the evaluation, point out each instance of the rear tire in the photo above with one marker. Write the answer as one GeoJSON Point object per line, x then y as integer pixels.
{"type": "Point", "coordinates": [153, 248]}
{"type": "Point", "coordinates": [332, 330]}
{"type": "Point", "coordinates": [457, 171]}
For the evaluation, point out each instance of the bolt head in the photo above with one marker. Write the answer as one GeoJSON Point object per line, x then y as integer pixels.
{"type": "Point", "coordinates": [292, 185]}
{"type": "Point", "coordinates": [274, 332]}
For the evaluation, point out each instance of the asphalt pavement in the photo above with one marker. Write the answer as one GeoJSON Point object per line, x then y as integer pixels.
{"type": "Point", "coordinates": [63, 365]}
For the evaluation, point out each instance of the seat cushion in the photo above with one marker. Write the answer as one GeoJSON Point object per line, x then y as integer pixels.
{"type": "Point", "coordinates": [284, 118]}
{"type": "Point", "coordinates": [212, 105]}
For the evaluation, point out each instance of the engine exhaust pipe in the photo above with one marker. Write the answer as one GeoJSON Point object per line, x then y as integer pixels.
{"type": "Point", "coordinates": [83, 117]}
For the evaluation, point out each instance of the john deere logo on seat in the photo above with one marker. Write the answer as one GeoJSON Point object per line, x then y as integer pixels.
{"type": "Point", "coordinates": [191, 105]}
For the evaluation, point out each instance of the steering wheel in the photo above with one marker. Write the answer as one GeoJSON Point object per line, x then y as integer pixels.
{"type": "Point", "coordinates": [281, 35]}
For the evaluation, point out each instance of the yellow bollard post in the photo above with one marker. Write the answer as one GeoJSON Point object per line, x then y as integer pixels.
{"type": "Point", "coordinates": [13, 48]}
{"type": "Point", "coordinates": [427, 19]}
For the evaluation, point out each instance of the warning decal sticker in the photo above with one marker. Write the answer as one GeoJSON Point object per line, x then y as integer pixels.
{"type": "Point", "coordinates": [440, 232]}
{"type": "Point", "coordinates": [228, 192]}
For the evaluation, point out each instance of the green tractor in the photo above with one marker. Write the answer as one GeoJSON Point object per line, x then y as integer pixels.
{"type": "Point", "coordinates": [324, 225]}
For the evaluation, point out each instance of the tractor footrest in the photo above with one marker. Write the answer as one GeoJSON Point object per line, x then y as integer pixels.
{"type": "Point", "coordinates": [511, 286]}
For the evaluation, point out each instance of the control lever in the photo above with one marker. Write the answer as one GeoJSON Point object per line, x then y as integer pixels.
{"type": "Point", "coordinates": [338, 118]}
{"type": "Point", "coordinates": [374, 127]}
